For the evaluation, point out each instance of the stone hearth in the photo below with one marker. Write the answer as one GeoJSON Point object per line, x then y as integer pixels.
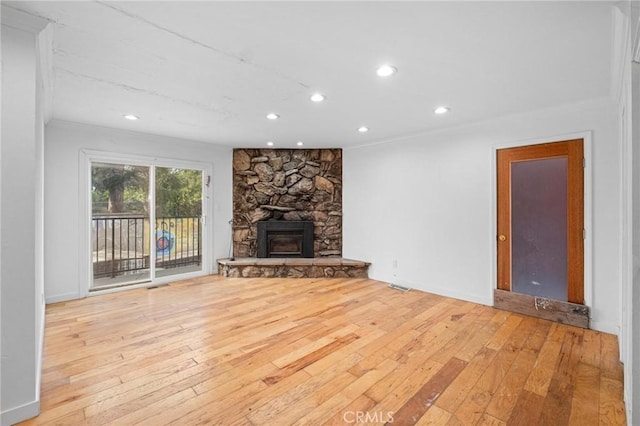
{"type": "Point", "coordinates": [333, 267]}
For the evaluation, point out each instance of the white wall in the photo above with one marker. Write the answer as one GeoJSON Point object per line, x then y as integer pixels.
{"type": "Point", "coordinates": [633, 379]}
{"type": "Point", "coordinates": [632, 371]}
{"type": "Point", "coordinates": [63, 144]}
{"type": "Point", "coordinates": [629, 113]}
{"type": "Point", "coordinates": [39, 208]}
{"type": "Point", "coordinates": [429, 202]}
{"type": "Point", "coordinates": [22, 298]}
{"type": "Point", "coordinates": [1, 80]}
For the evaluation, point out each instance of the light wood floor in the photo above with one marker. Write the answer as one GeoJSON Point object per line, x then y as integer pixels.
{"type": "Point", "coordinates": [318, 351]}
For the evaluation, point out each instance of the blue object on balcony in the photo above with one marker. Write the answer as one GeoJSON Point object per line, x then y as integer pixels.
{"type": "Point", "coordinates": [165, 242]}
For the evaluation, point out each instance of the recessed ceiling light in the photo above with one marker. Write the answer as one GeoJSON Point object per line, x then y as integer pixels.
{"type": "Point", "coordinates": [299, 143]}
{"type": "Point", "coordinates": [269, 143]}
{"type": "Point", "coordinates": [318, 97]}
{"type": "Point", "coordinates": [273, 116]}
{"type": "Point", "coordinates": [363, 129]}
{"type": "Point", "coordinates": [131, 117]}
{"type": "Point", "coordinates": [441, 110]}
{"type": "Point", "coordinates": [386, 70]}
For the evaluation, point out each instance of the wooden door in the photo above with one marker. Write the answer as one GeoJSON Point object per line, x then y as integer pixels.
{"type": "Point", "coordinates": [540, 241]}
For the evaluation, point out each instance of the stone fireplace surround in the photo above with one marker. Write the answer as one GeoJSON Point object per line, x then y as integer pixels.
{"type": "Point", "coordinates": [289, 185]}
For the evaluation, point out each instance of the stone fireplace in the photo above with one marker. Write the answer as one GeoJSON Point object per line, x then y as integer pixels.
{"type": "Point", "coordinates": [287, 215]}
{"type": "Point", "coordinates": [287, 185]}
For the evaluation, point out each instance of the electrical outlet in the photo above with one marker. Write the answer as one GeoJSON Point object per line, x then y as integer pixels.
{"type": "Point", "coordinates": [395, 264]}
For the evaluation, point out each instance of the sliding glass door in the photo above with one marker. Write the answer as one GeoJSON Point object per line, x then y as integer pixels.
{"type": "Point", "coordinates": [146, 223]}
{"type": "Point", "coordinates": [178, 220]}
{"type": "Point", "coordinates": [119, 224]}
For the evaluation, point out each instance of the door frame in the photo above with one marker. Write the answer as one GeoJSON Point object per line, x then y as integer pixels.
{"type": "Point", "coordinates": [586, 136]}
{"type": "Point", "coordinates": [87, 157]}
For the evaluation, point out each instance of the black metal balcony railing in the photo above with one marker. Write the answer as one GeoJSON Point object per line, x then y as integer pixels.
{"type": "Point", "coordinates": [121, 244]}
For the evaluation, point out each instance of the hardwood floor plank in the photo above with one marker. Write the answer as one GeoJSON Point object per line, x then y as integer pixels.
{"type": "Point", "coordinates": [165, 384]}
{"type": "Point", "coordinates": [473, 407]}
{"type": "Point", "coordinates": [74, 418]}
{"type": "Point", "coordinates": [71, 368]}
{"type": "Point", "coordinates": [610, 362]}
{"type": "Point", "coordinates": [350, 393]}
{"type": "Point", "coordinates": [316, 345]}
{"type": "Point", "coordinates": [310, 358]}
{"type": "Point", "coordinates": [136, 417]}
{"type": "Point", "coordinates": [467, 326]}
{"type": "Point", "coordinates": [455, 421]}
{"type": "Point", "coordinates": [273, 409]}
{"type": "Point", "coordinates": [488, 420]}
{"type": "Point", "coordinates": [419, 403]}
{"type": "Point", "coordinates": [479, 338]}
{"type": "Point", "coordinates": [135, 411]}
{"type": "Point", "coordinates": [347, 414]}
{"type": "Point", "coordinates": [371, 361]}
{"type": "Point", "coordinates": [77, 390]}
{"type": "Point", "coordinates": [511, 322]}
{"type": "Point", "coordinates": [457, 391]}
{"type": "Point", "coordinates": [331, 359]}
{"type": "Point", "coordinates": [585, 406]}
{"type": "Point", "coordinates": [317, 351]}
{"type": "Point", "coordinates": [126, 366]}
{"type": "Point", "coordinates": [543, 370]}
{"type": "Point", "coordinates": [592, 348]}
{"type": "Point", "coordinates": [403, 374]}
{"type": "Point", "coordinates": [434, 416]}
{"type": "Point", "coordinates": [364, 382]}
{"type": "Point", "coordinates": [507, 393]}
{"type": "Point", "coordinates": [527, 409]}
{"type": "Point", "coordinates": [206, 408]}
{"type": "Point", "coordinates": [329, 390]}
{"type": "Point", "coordinates": [611, 409]}
{"type": "Point", "coordinates": [230, 382]}
{"type": "Point", "coordinates": [396, 389]}
{"type": "Point", "coordinates": [561, 387]}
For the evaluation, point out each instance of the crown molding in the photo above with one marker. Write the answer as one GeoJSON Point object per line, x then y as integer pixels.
{"type": "Point", "coordinates": [620, 50]}
{"type": "Point", "coordinates": [20, 20]}
{"type": "Point", "coordinates": [42, 29]}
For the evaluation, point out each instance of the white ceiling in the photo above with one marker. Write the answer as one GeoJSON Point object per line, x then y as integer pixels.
{"type": "Point", "coordinates": [211, 71]}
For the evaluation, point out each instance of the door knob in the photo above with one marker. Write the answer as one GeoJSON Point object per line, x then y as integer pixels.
{"type": "Point", "coordinates": [502, 238]}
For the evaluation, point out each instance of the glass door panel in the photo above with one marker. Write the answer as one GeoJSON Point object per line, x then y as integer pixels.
{"type": "Point", "coordinates": [120, 224]}
{"type": "Point", "coordinates": [539, 227]}
{"type": "Point", "coordinates": [178, 223]}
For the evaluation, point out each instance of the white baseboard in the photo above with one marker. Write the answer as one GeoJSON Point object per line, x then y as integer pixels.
{"type": "Point", "coordinates": [447, 292]}
{"type": "Point", "coordinates": [628, 397]}
{"type": "Point", "coordinates": [63, 297]}
{"type": "Point", "coordinates": [18, 414]}
{"type": "Point", "coordinates": [40, 351]}
{"type": "Point", "coordinates": [605, 327]}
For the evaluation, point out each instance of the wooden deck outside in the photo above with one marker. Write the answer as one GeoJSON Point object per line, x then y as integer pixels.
{"type": "Point", "coordinates": [318, 351]}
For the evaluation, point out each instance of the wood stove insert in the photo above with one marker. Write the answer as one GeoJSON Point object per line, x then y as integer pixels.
{"type": "Point", "coordinates": [282, 238]}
